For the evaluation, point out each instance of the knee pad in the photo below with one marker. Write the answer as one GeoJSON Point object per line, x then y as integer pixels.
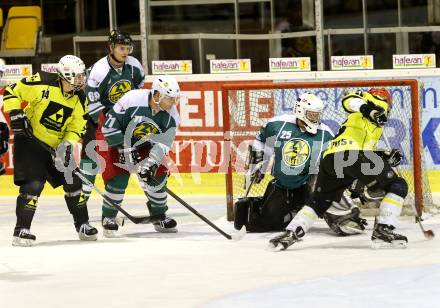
{"type": "Point", "coordinates": [29, 194]}
{"type": "Point", "coordinates": [399, 187]}
{"type": "Point", "coordinates": [33, 188]}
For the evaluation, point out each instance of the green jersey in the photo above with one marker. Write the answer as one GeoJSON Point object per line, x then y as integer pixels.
{"type": "Point", "coordinates": [296, 153]}
{"type": "Point", "coordinates": [106, 85]}
{"type": "Point", "coordinates": [131, 123]}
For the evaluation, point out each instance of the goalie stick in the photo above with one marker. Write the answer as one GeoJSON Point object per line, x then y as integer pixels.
{"type": "Point", "coordinates": [429, 234]}
{"type": "Point", "coordinates": [249, 181]}
{"type": "Point", "coordinates": [77, 172]}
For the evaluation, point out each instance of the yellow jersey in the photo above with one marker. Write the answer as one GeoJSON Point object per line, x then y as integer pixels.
{"type": "Point", "coordinates": [357, 132]}
{"type": "Point", "coordinates": [54, 116]}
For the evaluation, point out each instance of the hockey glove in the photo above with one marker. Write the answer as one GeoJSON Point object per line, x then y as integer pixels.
{"type": "Point", "coordinates": [4, 138]}
{"type": "Point", "coordinates": [374, 113]}
{"type": "Point", "coordinates": [394, 157]}
{"type": "Point", "coordinates": [20, 123]}
{"type": "Point", "coordinates": [147, 169]}
{"type": "Point", "coordinates": [256, 166]}
{"type": "Point", "coordinates": [64, 155]}
{"type": "Point", "coordinates": [123, 155]}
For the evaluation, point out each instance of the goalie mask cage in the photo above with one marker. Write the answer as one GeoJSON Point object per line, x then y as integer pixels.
{"type": "Point", "coordinates": [249, 105]}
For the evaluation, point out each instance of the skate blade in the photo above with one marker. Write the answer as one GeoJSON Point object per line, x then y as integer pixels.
{"type": "Point", "coordinates": [22, 242]}
{"type": "Point", "coordinates": [275, 248]}
{"type": "Point", "coordinates": [109, 233]}
{"type": "Point", "coordinates": [379, 244]}
{"type": "Point", "coordinates": [238, 236]}
{"type": "Point", "coordinates": [165, 230]}
{"type": "Point", "coordinates": [85, 237]}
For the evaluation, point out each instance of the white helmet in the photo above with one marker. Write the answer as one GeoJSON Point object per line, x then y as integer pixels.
{"type": "Point", "coordinates": [73, 70]}
{"type": "Point", "coordinates": [166, 85]}
{"type": "Point", "coordinates": [308, 109]}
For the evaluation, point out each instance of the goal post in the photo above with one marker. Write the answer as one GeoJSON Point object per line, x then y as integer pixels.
{"type": "Point", "coordinates": [249, 105]}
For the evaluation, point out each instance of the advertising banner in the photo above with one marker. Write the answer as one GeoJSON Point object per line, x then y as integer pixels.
{"type": "Point", "coordinates": [414, 61]}
{"type": "Point", "coordinates": [339, 63]}
{"type": "Point", "coordinates": [299, 64]}
{"type": "Point", "coordinates": [171, 67]}
{"type": "Point", "coordinates": [230, 66]}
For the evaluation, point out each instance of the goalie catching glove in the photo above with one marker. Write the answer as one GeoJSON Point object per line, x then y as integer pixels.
{"type": "Point", "coordinates": [374, 113]}
{"type": "Point", "coordinates": [347, 223]}
{"type": "Point", "coordinates": [394, 157]}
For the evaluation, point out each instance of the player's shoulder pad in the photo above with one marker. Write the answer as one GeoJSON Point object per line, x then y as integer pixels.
{"type": "Point", "coordinates": [289, 118]}
{"type": "Point", "coordinates": [41, 78]}
{"type": "Point", "coordinates": [98, 72]}
{"type": "Point", "coordinates": [133, 98]}
{"type": "Point", "coordinates": [358, 94]}
{"type": "Point", "coordinates": [135, 62]}
{"type": "Point", "coordinates": [325, 128]}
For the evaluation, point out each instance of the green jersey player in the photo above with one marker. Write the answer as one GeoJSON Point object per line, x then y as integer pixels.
{"type": "Point", "coordinates": [108, 80]}
{"type": "Point", "coordinates": [297, 143]}
{"type": "Point", "coordinates": [140, 130]}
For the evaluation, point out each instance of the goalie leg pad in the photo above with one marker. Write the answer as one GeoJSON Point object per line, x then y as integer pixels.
{"type": "Point", "coordinates": [247, 212]}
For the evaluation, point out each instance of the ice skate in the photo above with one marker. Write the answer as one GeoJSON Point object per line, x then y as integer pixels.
{"type": "Point", "coordinates": [286, 239]}
{"type": "Point", "coordinates": [110, 226]}
{"type": "Point", "coordinates": [384, 237]}
{"type": "Point", "coordinates": [86, 232]}
{"type": "Point", "coordinates": [23, 237]}
{"type": "Point", "coordinates": [167, 225]}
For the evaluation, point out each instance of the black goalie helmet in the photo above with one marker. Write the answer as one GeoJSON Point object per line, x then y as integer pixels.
{"type": "Point", "coordinates": [117, 37]}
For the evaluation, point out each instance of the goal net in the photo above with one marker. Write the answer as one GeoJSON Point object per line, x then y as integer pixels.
{"type": "Point", "coordinates": [247, 106]}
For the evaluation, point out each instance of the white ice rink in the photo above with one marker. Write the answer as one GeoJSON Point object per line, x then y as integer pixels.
{"type": "Point", "coordinates": [197, 267]}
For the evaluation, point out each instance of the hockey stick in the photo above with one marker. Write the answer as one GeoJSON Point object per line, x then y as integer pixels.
{"type": "Point", "coordinates": [236, 237]}
{"type": "Point", "coordinates": [77, 172]}
{"type": "Point", "coordinates": [249, 181]}
{"type": "Point", "coordinates": [134, 219]}
{"type": "Point", "coordinates": [429, 234]}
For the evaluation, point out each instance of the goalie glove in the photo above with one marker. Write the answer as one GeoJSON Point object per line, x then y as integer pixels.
{"type": "Point", "coordinates": [394, 157]}
{"type": "Point", "coordinates": [147, 169]}
{"type": "Point", "coordinates": [376, 114]}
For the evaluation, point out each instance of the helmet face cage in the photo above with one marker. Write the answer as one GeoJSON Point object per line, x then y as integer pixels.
{"type": "Point", "coordinates": [308, 109]}
{"type": "Point", "coordinates": [73, 70]}
{"type": "Point", "coordinates": [117, 37]}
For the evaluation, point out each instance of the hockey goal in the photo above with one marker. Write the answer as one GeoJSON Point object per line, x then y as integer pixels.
{"type": "Point", "coordinates": [247, 106]}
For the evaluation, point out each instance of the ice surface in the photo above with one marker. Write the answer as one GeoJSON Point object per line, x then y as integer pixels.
{"type": "Point", "coordinates": [198, 267]}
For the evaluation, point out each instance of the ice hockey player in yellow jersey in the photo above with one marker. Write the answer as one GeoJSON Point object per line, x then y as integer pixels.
{"type": "Point", "coordinates": [47, 111]}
